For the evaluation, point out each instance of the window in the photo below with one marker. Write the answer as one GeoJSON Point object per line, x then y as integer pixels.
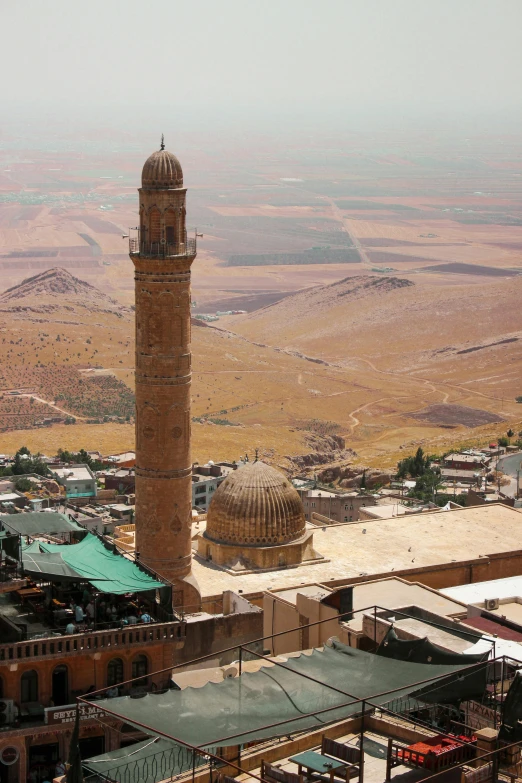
{"type": "Point", "coordinates": [140, 667]}
{"type": "Point", "coordinates": [312, 505]}
{"type": "Point", "coordinates": [29, 687]}
{"type": "Point", "coordinates": [346, 518]}
{"type": "Point", "coordinates": [114, 672]}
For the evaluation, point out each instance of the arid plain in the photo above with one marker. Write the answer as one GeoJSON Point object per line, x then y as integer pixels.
{"type": "Point", "coordinates": [381, 279]}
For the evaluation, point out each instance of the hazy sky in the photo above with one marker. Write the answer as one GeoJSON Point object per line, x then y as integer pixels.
{"type": "Point", "coordinates": [264, 57]}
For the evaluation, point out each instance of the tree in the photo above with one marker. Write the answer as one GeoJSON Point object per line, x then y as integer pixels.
{"type": "Point", "coordinates": [23, 484]}
{"type": "Point", "coordinates": [413, 466]}
{"type": "Point", "coordinates": [510, 433]}
{"type": "Point", "coordinates": [503, 442]}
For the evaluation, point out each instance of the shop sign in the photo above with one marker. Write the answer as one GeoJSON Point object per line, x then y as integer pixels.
{"type": "Point", "coordinates": [67, 714]}
{"type": "Point", "coordinates": [9, 755]}
{"type": "Point", "coordinates": [479, 716]}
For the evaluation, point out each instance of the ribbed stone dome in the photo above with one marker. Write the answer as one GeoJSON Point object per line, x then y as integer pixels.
{"type": "Point", "coordinates": [162, 170]}
{"type": "Point", "coordinates": [255, 505]}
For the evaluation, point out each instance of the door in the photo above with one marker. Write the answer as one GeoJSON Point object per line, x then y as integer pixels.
{"type": "Point", "coordinates": [60, 686]}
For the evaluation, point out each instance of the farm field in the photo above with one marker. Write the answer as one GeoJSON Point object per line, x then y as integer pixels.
{"type": "Point", "coordinates": [381, 277]}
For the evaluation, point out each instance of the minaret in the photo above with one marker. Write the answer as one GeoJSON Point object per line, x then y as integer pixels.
{"type": "Point", "coordinates": [162, 256]}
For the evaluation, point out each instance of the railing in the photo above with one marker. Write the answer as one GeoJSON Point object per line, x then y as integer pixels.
{"type": "Point", "coordinates": [90, 641]}
{"type": "Point", "coordinates": [162, 249]}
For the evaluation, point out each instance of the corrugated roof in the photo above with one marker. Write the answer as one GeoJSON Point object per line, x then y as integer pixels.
{"type": "Point", "coordinates": [33, 523]}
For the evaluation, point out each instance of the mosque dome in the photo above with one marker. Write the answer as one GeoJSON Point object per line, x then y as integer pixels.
{"type": "Point", "coordinates": [255, 505]}
{"type": "Point", "coordinates": [162, 170]}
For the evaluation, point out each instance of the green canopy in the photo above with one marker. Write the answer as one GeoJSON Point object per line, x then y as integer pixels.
{"type": "Point", "coordinates": [150, 761]}
{"type": "Point", "coordinates": [247, 708]}
{"type": "Point", "coordinates": [33, 523]}
{"type": "Point", "coordinates": [87, 561]}
{"type": "Point", "coordinates": [511, 730]}
{"type": "Point", "coordinates": [424, 651]}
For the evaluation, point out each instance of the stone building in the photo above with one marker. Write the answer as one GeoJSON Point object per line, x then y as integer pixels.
{"type": "Point", "coordinates": [256, 521]}
{"type": "Point", "coordinates": [162, 255]}
{"type": "Point", "coordinates": [335, 506]}
{"type": "Point", "coordinates": [41, 677]}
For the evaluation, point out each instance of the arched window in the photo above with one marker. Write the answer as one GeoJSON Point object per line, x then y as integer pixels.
{"type": "Point", "coordinates": [140, 668]}
{"type": "Point", "coordinates": [29, 686]}
{"type": "Point", "coordinates": [114, 672]}
{"type": "Point", "coordinates": [171, 220]}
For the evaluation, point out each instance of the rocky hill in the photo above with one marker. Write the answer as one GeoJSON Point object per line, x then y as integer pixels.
{"type": "Point", "coordinates": [320, 298]}
{"type": "Point", "coordinates": [57, 289]}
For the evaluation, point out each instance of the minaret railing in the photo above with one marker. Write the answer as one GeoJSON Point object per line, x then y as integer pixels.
{"type": "Point", "coordinates": [162, 249]}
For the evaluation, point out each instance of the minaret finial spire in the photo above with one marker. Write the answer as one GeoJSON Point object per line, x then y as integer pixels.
{"type": "Point", "coordinates": [162, 146]}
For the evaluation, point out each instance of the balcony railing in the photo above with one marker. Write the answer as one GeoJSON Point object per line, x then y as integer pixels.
{"type": "Point", "coordinates": [162, 249]}
{"type": "Point", "coordinates": [92, 641]}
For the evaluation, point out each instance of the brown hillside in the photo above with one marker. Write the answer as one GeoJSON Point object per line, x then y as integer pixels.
{"type": "Point", "coordinates": [387, 350]}
{"type": "Point", "coordinates": [54, 289]}
{"type": "Point", "coordinates": [390, 321]}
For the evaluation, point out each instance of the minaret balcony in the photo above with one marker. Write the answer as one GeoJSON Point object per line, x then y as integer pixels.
{"type": "Point", "coordinates": [163, 249]}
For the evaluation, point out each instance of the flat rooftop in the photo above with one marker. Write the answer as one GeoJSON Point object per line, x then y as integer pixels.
{"type": "Point", "coordinates": [395, 593]}
{"type": "Point", "coordinates": [405, 542]}
{"type": "Point", "coordinates": [386, 510]}
{"type": "Point", "coordinates": [74, 473]}
{"type": "Point", "coordinates": [471, 458]}
{"type": "Point", "coordinates": [312, 591]}
{"type": "Point", "coordinates": [478, 592]}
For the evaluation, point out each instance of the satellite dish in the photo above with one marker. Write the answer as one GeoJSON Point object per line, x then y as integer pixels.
{"type": "Point", "coordinates": [230, 672]}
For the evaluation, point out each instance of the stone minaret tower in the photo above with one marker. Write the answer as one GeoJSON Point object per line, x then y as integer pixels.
{"type": "Point", "coordinates": [162, 256]}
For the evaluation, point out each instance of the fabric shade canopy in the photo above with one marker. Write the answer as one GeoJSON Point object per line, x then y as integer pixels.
{"type": "Point", "coordinates": [87, 561]}
{"type": "Point", "coordinates": [246, 708]}
{"type": "Point", "coordinates": [147, 762]}
{"type": "Point", "coordinates": [40, 522]}
{"type": "Point", "coordinates": [424, 651]}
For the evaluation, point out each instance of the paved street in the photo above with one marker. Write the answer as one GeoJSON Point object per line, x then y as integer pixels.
{"type": "Point", "coordinates": [509, 465]}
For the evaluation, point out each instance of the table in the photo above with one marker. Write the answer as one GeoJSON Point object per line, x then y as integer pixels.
{"type": "Point", "coordinates": [316, 762]}
{"type": "Point", "coordinates": [29, 592]}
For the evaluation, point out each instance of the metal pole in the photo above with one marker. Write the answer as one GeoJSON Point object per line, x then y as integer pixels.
{"type": "Point", "coordinates": [502, 689]}
{"type": "Point", "coordinates": [361, 744]}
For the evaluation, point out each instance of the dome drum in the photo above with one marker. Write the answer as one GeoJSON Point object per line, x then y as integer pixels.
{"type": "Point", "coordinates": [240, 558]}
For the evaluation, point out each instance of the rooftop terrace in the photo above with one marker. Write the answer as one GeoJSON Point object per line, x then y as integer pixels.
{"type": "Point", "coordinates": [377, 547]}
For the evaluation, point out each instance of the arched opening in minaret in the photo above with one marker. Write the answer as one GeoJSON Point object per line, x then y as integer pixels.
{"type": "Point", "coordinates": [171, 220]}
{"type": "Point", "coordinates": [154, 225]}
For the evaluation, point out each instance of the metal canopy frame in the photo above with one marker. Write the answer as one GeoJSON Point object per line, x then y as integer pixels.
{"type": "Point", "coordinates": [365, 703]}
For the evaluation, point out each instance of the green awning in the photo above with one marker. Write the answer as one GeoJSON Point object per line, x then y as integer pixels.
{"type": "Point", "coordinates": [248, 707]}
{"type": "Point", "coordinates": [424, 651]}
{"type": "Point", "coordinates": [150, 761]}
{"type": "Point", "coordinates": [33, 523]}
{"type": "Point", "coordinates": [87, 561]}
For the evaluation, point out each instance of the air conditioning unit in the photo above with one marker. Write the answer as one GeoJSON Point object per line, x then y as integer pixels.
{"type": "Point", "coordinates": [8, 712]}
{"type": "Point", "coordinates": [491, 604]}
